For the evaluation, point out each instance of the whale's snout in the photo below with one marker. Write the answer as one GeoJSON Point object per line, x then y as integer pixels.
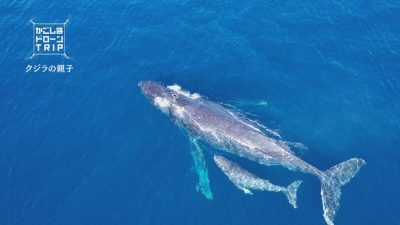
{"type": "Point", "coordinates": [152, 89]}
{"type": "Point", "coordinates": [219, 160]}
{"type": "Point", "coordinates": [144, 85]}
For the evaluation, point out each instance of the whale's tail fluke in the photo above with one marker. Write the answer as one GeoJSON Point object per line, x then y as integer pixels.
{"type": "Point", "coordinates": [334, 178]}
{"type": "Point", "coordinates": [291, 192]}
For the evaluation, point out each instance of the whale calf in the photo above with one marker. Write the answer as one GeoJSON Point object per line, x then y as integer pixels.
{"type": "Point", "coordinates": [245, 181]}
{"type": "Point", "coordinates": [229, 132]}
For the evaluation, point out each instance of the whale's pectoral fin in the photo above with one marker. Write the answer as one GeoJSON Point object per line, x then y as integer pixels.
{"type": "Point", "coordinates": [245, 190]}
{"type": "Point", "coordinates": [201, 168]}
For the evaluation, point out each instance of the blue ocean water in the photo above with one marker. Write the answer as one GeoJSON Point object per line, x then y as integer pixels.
{"type": "Point", "coordinates": [87, 147]}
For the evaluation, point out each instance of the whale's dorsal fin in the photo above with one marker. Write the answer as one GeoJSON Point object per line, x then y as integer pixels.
{"type": "Point", "coordinates": [296, 148]}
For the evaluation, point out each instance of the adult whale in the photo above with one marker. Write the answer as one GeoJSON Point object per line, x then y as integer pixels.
{"type": "Point", "coordinates": [229, 132]}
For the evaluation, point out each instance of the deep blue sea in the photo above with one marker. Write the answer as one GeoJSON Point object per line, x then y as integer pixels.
{"type": "Point", "coordinates": [87, 148]}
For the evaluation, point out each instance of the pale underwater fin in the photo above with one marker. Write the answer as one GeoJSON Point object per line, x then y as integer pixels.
{"type": "Point", "coordinates": [245, 190]}
{"type": "Point", "coordinates": [334, 178]}
{"type": "Point", "coordinates": [200, 167]}
{"type": "Point", "coordinates": [291, 192]}
{"type": "Point", "coordinates": [242, 102]}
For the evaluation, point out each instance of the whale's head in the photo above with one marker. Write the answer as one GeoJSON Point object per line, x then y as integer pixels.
{"type": "Point", "coordinates": [169, 99]}
{"type": "Point", "coordinates": [221, 161]}
{"type": "Point", "coordinates": [155, 91]}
